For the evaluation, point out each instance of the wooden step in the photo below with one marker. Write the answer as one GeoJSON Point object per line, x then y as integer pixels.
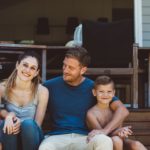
{"type": "Point", "coordinates": [139, 119]}
{"type": "Point", "coordinates": [145, 125]}
{"type": "Point", "coordinates": [139, 115]}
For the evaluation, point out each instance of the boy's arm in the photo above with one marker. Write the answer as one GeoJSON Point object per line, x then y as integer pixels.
{"type": "Point", "coordinates": [92, 121]}
{"type": "Point", "coordinates": [120, 113]}
{"type": "Point", "coordinates": [122, 132]}
{"type": "Point", "coordinates": [94, 125]}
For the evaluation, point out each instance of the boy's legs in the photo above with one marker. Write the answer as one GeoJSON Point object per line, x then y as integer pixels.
{"type": "Point", "coordinates": [76, 142]}
{"type": "Point", "coordinates": [133, 145]}
{"type": "Point", "coordinates": [117, 143]}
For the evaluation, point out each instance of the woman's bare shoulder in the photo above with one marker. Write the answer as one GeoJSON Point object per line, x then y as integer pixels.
{"type": "Point", "coordinates": [42, 88]}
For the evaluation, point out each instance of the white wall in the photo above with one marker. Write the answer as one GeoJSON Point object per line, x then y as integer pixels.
{"type": "Point", "coordinates": [146, 22]}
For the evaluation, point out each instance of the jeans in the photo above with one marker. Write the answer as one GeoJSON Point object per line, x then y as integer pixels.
{"type": "Point", "coordinates": [29, 138]}
{"type": "Point", "coordinates": [1, 131]}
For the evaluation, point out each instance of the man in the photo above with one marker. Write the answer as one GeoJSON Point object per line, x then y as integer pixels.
{"type": "Point", "coordinates": [70, 98]}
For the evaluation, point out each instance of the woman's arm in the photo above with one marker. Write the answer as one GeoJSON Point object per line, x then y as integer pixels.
{"type": "Point", "coordinates": [43, 95]}
{"type": "Point", "coordinates": [12, 123]}
{"type": "Point", "coordinates": [3, 112]}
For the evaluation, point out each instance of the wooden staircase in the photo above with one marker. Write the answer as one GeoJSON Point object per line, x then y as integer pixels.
{"type": "Point", "coordinates": [139, 119]}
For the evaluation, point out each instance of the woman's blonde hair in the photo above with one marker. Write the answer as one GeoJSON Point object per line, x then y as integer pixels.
{"type": "Point", "coordinates": [11, 81]}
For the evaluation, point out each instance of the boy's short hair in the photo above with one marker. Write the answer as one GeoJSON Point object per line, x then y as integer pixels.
{"type": "Point", "coordinates": [79, 53]}
{"type": "Point", "coordinates": [103, 80]}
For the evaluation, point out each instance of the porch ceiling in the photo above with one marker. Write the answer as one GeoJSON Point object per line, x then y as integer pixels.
{"type": "Point", "coordinates": [7, 3]}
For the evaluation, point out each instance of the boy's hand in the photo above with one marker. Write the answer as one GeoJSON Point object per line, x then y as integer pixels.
{"type": "Point", "coordinates": [123, 132]}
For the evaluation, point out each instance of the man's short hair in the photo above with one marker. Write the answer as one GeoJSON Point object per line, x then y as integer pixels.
{"type": "Point", "coordinates": [79, 53]}
{"type": "Point", "coordinates": [103, 80]}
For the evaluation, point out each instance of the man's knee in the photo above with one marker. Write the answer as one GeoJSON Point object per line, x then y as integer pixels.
{"type": "Point", "coordinates": [46, 146]}
{"type": "Point", "coordinates": [102, 139]}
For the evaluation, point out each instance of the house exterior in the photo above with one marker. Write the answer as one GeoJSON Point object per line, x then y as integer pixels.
{"type": "Point", "coordinates": [142, 22]}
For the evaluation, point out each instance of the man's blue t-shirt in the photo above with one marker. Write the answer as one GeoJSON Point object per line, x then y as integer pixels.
{"type": "Point", "coordinates": [68, 105]}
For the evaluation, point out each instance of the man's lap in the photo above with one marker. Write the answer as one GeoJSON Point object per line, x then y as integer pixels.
{"type": "Point", "coordinates": [73, 142]}
{"type": "Point", "coordinates": [66, 141]}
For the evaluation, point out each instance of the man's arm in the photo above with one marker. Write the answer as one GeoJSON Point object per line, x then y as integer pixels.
{"type": "Point", "coordinates": [120, 113]}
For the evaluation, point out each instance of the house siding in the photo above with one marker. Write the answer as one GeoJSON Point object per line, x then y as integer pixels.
{"type": "Point", "coordinates": [146, 22]}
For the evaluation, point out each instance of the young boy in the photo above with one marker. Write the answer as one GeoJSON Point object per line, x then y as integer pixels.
{"type": "Point", "coordinates": [101, 114]}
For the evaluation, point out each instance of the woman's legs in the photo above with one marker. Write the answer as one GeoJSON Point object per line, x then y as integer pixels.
{"type": "Point", "coordinates": [31, 135]}
{"type": "Point", "coordinates": [1, 129]}
{"type": "Point", "coordinates": [9, 142]}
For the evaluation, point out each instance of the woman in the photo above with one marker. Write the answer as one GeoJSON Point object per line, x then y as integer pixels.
{"type": "Point", "coordinates": [27, 99]}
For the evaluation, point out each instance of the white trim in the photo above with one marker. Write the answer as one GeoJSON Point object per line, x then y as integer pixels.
{"type": "Point", "coordinates": [138, 22]}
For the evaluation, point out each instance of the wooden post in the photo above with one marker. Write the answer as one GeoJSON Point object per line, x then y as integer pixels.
{"type": "Point", "coordinates": [135, 75]}
{"type": "Point", "coordinates": [44, 65]}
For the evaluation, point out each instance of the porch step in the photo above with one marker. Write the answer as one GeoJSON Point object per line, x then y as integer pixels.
{"type": "Point", "coordinates": [139, 119]}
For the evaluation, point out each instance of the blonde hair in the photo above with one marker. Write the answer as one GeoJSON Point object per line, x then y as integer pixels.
{"type": "Point", "coordinates": [11, 81]}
